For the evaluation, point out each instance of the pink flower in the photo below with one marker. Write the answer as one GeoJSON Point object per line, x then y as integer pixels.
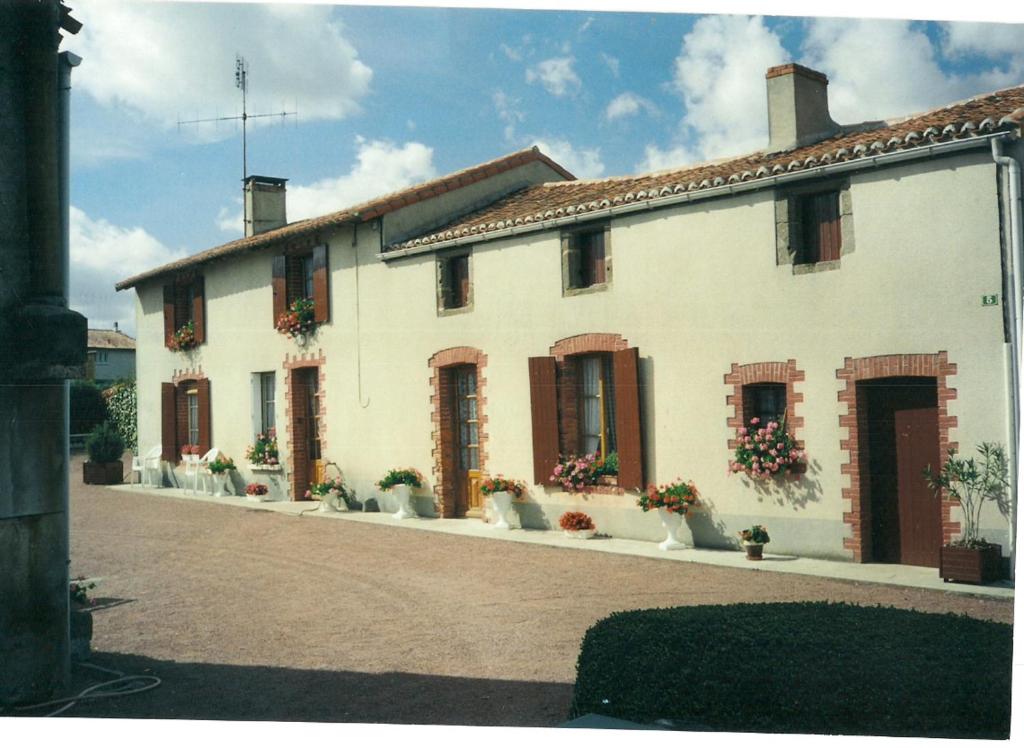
{"type": "Point", "coordinates": [754, 421]}
{"type": "Point", "coordinates": [742, 430]}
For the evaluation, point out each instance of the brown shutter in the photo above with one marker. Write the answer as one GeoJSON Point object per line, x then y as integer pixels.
{"type": "Point", "coordinates": [597, 256]}
{"type": "Point", "coordinates": [280, 286]}
{"type": "Point", "coordinates": [199, 309]}
{"type": "Point", "coordinates": [627, 418]}
{"type": "Point", "coordinates": [544, 412]}
{"type": "Point", "coordinates": [168, 429]}
{"type": "Point", "coordinates": [203, 401]}
{"type": "Point", "coordinates": [321, 302]}
{"type": "Point", "coordinates": [826, 223]}
{"type": "Point", "coordinates": [169, 328]}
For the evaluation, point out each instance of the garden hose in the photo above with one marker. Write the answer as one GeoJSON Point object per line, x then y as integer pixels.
{"type": "Point", "coordinates": [122, 685]}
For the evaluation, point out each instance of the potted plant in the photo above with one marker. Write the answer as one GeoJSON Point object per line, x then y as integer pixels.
{"type": "Point", "coordinates": [763, 452]}
{"type": "Point", "coordinates": [753, 540]}
{"type": "Point", "coordinates": [190, 451]}
{"type": "Point", "coordinates": [972, 483]}
{"type": "Point", "coordinates": [673, 501]}
{"type": "Point", "coordinates": [262, 455]}
{"type": "Point", "coordinates": [331, 493]}
{"type": "Point", "coordinates": [607, 470]}
{"type": "Point", "coordinates": [80, 617]}
{"type": "Point", "coordinates": [184, 338]}
{"type": "Point", "coordinates": [105, 447]}
{"type": "Point", "coordinates": [299, 320]}
{"type": "Point", "coordinates": [575, 473]}
{"type": "Point", "coordinates": [401, 481]}
{"type": "Point", "coordinates": [256, 491]}
{"type": "Point", "coordinates": [577, 525]}
{"type": "Point", "coordinates": [219, 468]}
{"type": "Point", "coordinates": [502, 490]}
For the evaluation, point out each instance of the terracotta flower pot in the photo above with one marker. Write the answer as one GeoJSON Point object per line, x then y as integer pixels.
{"type": "Point", "coordinates": [754, 551]}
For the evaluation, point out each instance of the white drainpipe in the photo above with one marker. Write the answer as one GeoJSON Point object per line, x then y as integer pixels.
{"type": "Point", "coordinates": [1015, 260]}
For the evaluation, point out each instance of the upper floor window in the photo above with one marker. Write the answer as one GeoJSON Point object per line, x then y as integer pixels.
{"type": "Point", "coordinates": [814, 226]}
{"type": "Point", "coordinates": [821, 236]}
{"type": "Point", "coordinates": [454, 286]}
{"type": "Point", "coordinates": [301, 274]}
{"type": "Point", "coordinates": [299, 269]}
{"type": "Point", "coordinates": [184, 304]}
{"type": "Point", "coordinates": [586, 261]}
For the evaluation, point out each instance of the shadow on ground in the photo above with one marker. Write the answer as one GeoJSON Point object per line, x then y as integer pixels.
{"type": "Point", "coordinates": [233, 692]}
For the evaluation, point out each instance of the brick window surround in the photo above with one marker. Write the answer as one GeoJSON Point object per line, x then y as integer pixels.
{"type": "Point", "coordinates": [877, 367]}
{"type": "Point", "coordinates": [774, 372]}
{"type": "Point", "coordinates": [299, 478]}
{"type": "Point", "coordinates": [441, 416]}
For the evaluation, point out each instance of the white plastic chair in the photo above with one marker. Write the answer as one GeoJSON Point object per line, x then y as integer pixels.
{"type": "Point", "coordinates": [203, 471]}
{"type": "Point", "coordinates": [148, 466]}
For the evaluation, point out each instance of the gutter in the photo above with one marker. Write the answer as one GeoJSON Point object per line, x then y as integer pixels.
{"type": "Point", "coordinates": [866, 162]}
{"type": "Point", "coordinates": [1015, 260]}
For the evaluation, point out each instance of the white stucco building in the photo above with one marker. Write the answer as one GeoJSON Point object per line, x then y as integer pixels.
{"type": "Point", "coordinates": [858, 279]}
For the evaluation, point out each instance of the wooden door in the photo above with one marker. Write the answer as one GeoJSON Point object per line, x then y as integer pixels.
{"type": "Point", "coordinates": [920, 519]}
{"type": "Point", "coordinates": [466, 431]}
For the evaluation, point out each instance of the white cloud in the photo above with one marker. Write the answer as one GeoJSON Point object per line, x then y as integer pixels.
{"type": "Point", "coordinates": [103, 254]}
{"type": "Point", "coordinates": [992, 40]}
{"type": "Point", "coordinates": [627, 104]}
{"type": "Point", "coordinates": [508, 112]}
{"type": "Point", "coordinates": [556, 75]}
{"type": "Point", "coordinates": [168, 60]}
{"type": "Point", "coordinates": [881, 69]}
{"type": "Point", "coordinates": [611, 62]}
{"type": "Point", "coordinates": [381, 167]}
{"type": "Point", "coordinates": [656, 159]}
{"type": "Point", "coordinates": [585, 163]}
{"type": "Point", "coordinates": [510, 52]}
{"type": "Point", "coordinates": [720, 75]}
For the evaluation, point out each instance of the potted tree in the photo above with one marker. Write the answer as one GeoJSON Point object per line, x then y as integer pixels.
{"type": "Point", "coordinates": [401, 481]}
{"type": "Point", "coordinates": [972, 483]}
{"type": "Point", "coordinates": [502, 490]}
{"type": "Point", "coordinates": [754, 541]}
{"type": "Point", "coordinates": [105, 447]}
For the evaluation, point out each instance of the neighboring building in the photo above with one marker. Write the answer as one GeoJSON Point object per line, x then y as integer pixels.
{"type": "Point", "coordinates": [851, 277]}
{"type": "Point", "coordinates": [111, 356]}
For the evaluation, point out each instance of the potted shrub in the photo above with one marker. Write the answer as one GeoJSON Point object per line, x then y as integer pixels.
{"type": "Point", "coordinates": [577, 525]}
{"type": "Point", "coordinates": [105, 447]}
{"type": "Point", "coordinates": [331, 494]}
{"type": "Point", "coordinates": [256, 491]}
{"type": "Point", "coordinates": [401, 481]}
{"type": "Point", "coordinates": [299, 320]}
{"type": "Point", "coordinates": [972, 483]}
{"type": "Point", "coordinates": [219, 468]}
{"type": "Point", "coordinates": [763, 452]}
{"type": "Point", "coordinates": [502, 491]}
{"type": "Point", "coordinates": [262, 455]}
{"type": "Point", "coordinates": [754, 540]}
{"type": "Point", "coordinates": [184, 338]}
{"type": "Point", "coordinates": [673, 501]}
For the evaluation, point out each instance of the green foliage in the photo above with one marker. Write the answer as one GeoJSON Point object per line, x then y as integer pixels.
{"type": "Point", "coordinates": [608, 466]}
{"type": "Point", "coordinates": [220, 465]}
{"type": "Point", "coordinates": [408, 476]}
{"type": "Point", "coordinates": [800, 668]}
{"type": "Point", "coordinates": [104, 444]}
{"type": "Point", "coordinates": [122, 406]}
{"type": "Point", "coordinates": [972, 483]}
{"type": "Point", "coordinates": [756, 534]}
{"type": "Point", "coordinates": [87, 407]}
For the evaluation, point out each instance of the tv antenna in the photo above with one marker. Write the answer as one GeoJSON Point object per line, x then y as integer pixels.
{"type": "Point", "coordinates": [241, 83]}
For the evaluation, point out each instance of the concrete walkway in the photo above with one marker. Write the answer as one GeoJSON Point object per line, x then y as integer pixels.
{"type": "Point", "coordinates": [888, 574]}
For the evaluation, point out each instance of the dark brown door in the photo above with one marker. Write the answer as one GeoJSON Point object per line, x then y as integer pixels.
{"type": "Point", "coordinates": [307, 466]}
{"type": "Point", "coordinates": [917, 447]}
{"type": "Point", "coordinates": [311, 406]}
{"type": "Point", "coordinates": [467, 443]}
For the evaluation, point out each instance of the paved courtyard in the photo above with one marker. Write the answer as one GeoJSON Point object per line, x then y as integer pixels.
{"type": "Point", "coordinates": [255, 615]}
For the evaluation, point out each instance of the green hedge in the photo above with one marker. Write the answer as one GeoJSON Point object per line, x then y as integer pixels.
{"type": "Point", "coordinates": [802, 668]}
{"type": "Point", "coordinates": [88, 409]}
{"type": "Point", "coordinates": [122, 405]}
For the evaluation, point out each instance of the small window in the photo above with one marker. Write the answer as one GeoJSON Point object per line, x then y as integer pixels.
{"type": "Point", "coordinates": [765, 401]}
{"type": "Point", "coordinates": [585, 259]}
{"type": "Point", "coordinates": [299, 270]}
{"type": "Point", "coordinates": [597, 405]}
{"type": "Point", "coordinates": [820, 233]}
{"type": "Point", "coordinates": [192, 401]}
{"type": "Point", "coordinates": [455, 290]}
{"type": "Point", "coordinates": [101, 357]}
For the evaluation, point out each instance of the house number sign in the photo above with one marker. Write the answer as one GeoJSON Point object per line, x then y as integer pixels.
{"type": "Point", "coordinates": [990, 300]}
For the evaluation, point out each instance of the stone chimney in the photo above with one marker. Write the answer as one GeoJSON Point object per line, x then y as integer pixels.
{"type": "Point", "coordinates": [264, 204]}
{"type": "Point", "coordinates": [797, 107]}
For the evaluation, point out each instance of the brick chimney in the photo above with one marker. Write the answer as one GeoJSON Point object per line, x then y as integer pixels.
{"type": "Point", "coordinates": [797, 107]}
{"type": "Point", "coordinates": [264, 204]}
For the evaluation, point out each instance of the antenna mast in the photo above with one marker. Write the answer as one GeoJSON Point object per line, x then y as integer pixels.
{"type": "Point", "coordinates": [242, 84]}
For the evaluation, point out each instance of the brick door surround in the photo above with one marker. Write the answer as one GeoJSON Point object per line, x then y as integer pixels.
{"type": "Point", "coordinates": [856, 370]}
{"type": "Point", "coordinates": [441, 418]}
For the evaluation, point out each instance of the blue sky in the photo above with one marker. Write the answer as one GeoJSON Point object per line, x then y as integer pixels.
{"type": "Point", "coordinates": [388, 97]}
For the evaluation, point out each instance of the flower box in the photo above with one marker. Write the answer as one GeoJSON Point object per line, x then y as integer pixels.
{"type": "Point", "coordinates": [972, 565]}
{"type": "Point", "coordinates": [102, 473]}
{"type": "Point", "coordinates": [266, 468]}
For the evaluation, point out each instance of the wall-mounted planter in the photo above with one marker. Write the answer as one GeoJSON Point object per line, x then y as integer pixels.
{"type": "Point", "coordinates": [972, 565]}
{"type": "Point", "coordinates": [265, 468]}
{"type": "Point", "coordinates": [102, 473]}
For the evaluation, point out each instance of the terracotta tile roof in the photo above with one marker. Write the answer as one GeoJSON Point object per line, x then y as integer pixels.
{"type": "Point", "coordinates": [363, 212]}
{"type": "Point", "coordinates": [109, 339]}
{"type": "Point", "coordinates": [1002, 110]}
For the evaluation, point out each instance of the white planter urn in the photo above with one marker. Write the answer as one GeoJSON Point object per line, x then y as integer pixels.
{"type": "Point", "coordinates": [327, 503]}
{"type": "Point", "coordinates": [403, 495]}
{"type": "Point", "coordinates": [580, 534]}
{"type": "Point", "coordinates": [220, 484]}
{"type": "Point", "coordinates": [672, 522]}
{"type": "Point", "coordinates": [502, 502]}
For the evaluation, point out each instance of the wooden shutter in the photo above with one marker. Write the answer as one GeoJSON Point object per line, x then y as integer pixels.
{"type": "Point", "coordinates": [596, 258]}
{"type": "Point", "coordinates": [199, 309]}
{"type": "Point", "coordinates": [321, 303]}
{"type": "Point", "coordinates": [203, 398]}
{"type": "Point", "coordinates": [826, 210]}
{"type": "Point", "coordinates": [168, 428]}
{"type": "Point", "coordinates": [462, 277]}
{"type": "Point", "coordinates": [279, 283]}
{"type": "Point", "coordinates": [169, 328]}
{"type": "Point", "coordinates": [627, 418]}
{"type": "Point", "coordinates": [544, 412]}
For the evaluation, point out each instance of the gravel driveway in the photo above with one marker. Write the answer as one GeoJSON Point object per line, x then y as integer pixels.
{"type": "Point", "coordinates": [251, 615]}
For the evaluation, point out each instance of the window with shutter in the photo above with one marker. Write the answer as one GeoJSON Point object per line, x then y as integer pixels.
{"type": "Point", "coordinates": [821, 238]}
{"type": "Point", "coordinates": [184, 302]}
{"type": "Point", "coordinates": [585, 259]}
{"type": "Point", "coordinates": [454, 283]}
